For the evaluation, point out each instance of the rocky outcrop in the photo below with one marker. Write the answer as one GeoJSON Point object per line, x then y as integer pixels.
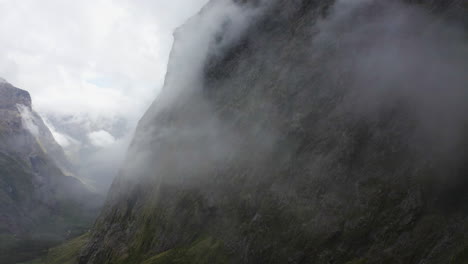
{"type": "Point", "coordinates": [11, 96]}
{"type": "Point", "coordinates": [303, 132]}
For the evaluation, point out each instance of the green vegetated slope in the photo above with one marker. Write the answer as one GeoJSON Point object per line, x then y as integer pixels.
{"type": "Point", "coordinates": [64, 254]}
{"type": "Point", "coordinates": [40, 206]}
{"type": "Point", "coordinates": [203, 250]}
{"type": "Point", "coordinates": [320, 132]}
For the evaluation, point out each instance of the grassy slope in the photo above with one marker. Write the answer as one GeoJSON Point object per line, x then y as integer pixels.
{"type": "Point", "coordinates": [63, 254]}
{"type": "Point", "coordinates": [207, 250]}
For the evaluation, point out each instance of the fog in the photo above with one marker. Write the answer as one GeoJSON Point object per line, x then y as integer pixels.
{"type": "Point", "coordinates": [400, 54]}
{"type": "Point", "coordinates": [92, 68]}
{"type": "Point", "coordinates": [159, 143]}
{"type": "Point", "coordinates": [219, 25]}
{"type": "Point", "coordinates": [384, 56]}
{"type": "Point", "coordinates": [332, 122]}
{"type": "Point", "coordinates": [28, 121]}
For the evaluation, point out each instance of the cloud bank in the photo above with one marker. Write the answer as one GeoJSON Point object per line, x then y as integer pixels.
{"type": "Point", "coordinates": [104, 57]}
{"type": "Point", "coordinates": [92, 67]}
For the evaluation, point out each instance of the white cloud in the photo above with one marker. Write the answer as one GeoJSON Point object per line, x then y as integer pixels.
{"type": "Point", "coordinates": [62, 139]}
{"type": "Point", "coordinates": [92, 66]}
{"type": "Point", "coordinates": [28, 120]}
{"type": "Point", "coordinates": [101, 138]}
{"type": "Point", "coordinates": [99, 57]}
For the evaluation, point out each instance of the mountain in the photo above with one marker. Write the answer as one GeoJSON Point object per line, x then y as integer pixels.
{"type": "Point", "coordinates": [40, 201]}
{"type": "Point", "coordinates": [300, 131]}
{"type": "Point", "coordinates": [94, 145]}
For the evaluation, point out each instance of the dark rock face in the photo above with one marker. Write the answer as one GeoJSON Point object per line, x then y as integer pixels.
{"type": "Point", "coordinates": [324, 132]}
{"type": "Point", "coordinates": [11, 96]}
{"type": "Point", "coordinates": [17, 118]}
{"type": "Point", "coordinates": [39, 204]}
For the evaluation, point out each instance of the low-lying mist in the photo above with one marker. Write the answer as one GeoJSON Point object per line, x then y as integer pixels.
{"type": "Point", "coordinates": [219, 26]}
{"type": "Point", "coordinates": [382, 56]}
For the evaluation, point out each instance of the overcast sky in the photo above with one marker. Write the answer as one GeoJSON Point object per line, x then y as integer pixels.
{"type": "Point", "coordinates": [98, 57]}
{"type": "Point", "coordinates": [89, 64]}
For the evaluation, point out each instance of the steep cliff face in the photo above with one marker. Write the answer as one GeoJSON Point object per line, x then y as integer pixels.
{"type": "Point", "coordinates": [301, 131]}
{"type": "Point", "coordinates": [19, 119]}
{"type": "Point", "coordinates": [38, 202]}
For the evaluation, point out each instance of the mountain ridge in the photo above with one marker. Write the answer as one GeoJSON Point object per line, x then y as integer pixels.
{"type": "Point", "coordinates": [40, 202]}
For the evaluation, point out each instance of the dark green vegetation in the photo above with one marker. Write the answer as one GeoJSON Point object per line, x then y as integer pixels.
{"type": "Point", "coordinates": [324, 133]}
{"type": "Point", "coordinates": [40, 206]}
{"type": "Point", "coordinates": [205, 250]}
{"type": "Point", "coordinates": [63, 254]}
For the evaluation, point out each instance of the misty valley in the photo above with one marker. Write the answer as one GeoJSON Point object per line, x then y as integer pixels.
{"type": "Point", "coordinates": [234, 131]}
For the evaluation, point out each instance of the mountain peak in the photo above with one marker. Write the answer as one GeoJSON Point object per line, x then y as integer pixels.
{"type": "Point", "coordinates": [10, 96]}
